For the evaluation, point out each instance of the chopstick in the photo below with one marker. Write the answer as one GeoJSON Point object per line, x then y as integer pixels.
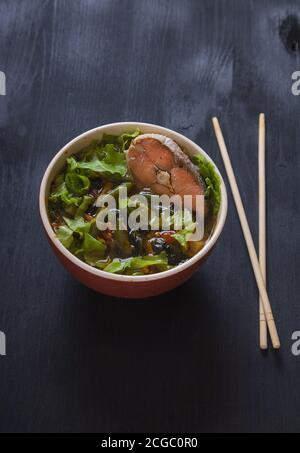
{"type": "Point", "coordinates": [247, 235]}
{"type": "Point", "coordinates": [263, 334]}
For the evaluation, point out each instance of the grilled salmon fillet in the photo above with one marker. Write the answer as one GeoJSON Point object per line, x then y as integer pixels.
{"type": "Point", "coordinates": [158, 163]}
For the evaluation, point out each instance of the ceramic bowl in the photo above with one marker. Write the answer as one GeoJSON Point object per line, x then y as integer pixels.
{"type": "Point", "coordinates": [125, 286]}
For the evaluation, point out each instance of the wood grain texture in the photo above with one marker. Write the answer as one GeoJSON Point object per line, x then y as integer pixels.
{"type": "Point", "coordinates": [187, 361]}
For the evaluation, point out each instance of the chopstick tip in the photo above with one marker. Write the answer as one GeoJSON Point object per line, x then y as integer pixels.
{"type": "Point", "coordinates": [262, 118]}
{"type": "Point", "coordinates": [216, 125]}
{"type": "Point", "coordinates": [264, 347]}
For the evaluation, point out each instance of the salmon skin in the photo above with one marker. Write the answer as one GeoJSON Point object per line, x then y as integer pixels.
{"type": "Point", "coordinates": [158, 163]}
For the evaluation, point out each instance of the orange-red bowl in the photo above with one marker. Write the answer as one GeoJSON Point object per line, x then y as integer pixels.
{"type": "Point", "coordinates": [125, 285]}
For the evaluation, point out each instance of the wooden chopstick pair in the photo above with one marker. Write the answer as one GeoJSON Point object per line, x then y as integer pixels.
{"type": "Point", "coordinates": [259, 265]}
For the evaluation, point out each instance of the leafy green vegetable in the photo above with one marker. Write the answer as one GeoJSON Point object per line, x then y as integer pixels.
{"type": "Point", "coordinates": [99, 158]}
{"type": "Point", "coordinates": [145, 261]}
{"type": "Point", "coordinates": [77, 184]}
{"type": "Point", "coordinates": [84, 205]}
{"type": "Point", "coordinates": [78, 225]}
{"type": "Point", "coordinates": [58, 188]}
{"type": "Point", "coordinates": [72, 164]}
{"type": "Point", "coordinates": [60, 192]}
{"type": "Point", "coordinates": [65, 235]}
{"type": "Point", "coordinates": [74, 227]}
{"type": "Point", "coordinates": [113, 163]}
{"type": "Point", "coordinates": [182, 237]}
{"type": "Point", "coordinates": [188, 226]}
{"type": "Point", "coordinates": [122, 141]}
{"type": "Point", "coordinates": [118, 266]}
{"type": "Point", "coordinates": [116, 191]}
{"type": "Point", "coordinates": [92, 151]}
{"type": "Point", "coordinates": [70, 200]}
{"type": "Point", "coordinates": [93, 249]}
{"type": "Point", "coordinates": [212, 181]}
{"type": "Point", "coordinates": [125, 139]}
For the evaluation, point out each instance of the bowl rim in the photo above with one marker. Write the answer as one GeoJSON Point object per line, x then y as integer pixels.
{"type": "Point", "coordinates": [131, 278]}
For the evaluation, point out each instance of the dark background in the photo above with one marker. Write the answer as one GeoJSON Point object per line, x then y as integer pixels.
{"type": "Point", "coordinates": [187, 361]}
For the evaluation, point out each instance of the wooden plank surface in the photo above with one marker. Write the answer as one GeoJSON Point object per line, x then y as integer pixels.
{"type": "Point", "coordinates": [187, 361]}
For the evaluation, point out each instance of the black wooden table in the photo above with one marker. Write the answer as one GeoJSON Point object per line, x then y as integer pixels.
{"type": "Point", "coordinates": [187, 361]}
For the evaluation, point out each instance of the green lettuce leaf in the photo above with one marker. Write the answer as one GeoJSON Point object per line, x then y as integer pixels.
{"type": "Point", "coordinates": [78, 225]}
{"type": "Point", "coordinates": [70, 200]}
{"type": "Point", "coordinates": [65, 235]}
{"type": "Point", "coordinates": [141, 262]}
{"type": "Point", "coordinates": [60, 192]}
{"type": "Point", "coordinates": [84, 205]}
{"type": "Point", "coordinates": [77, 184]}
{"type": "Point", "coordinates": [189, 226]}
{"type": "Point", "coordinates": [72, 164]}
{"type": "Point", "coordinates": [93, 249]}
{"type": "Point", "coordinates": [113, 163]}
{"type": "Point", "coordinates": [122, 141]}
{"type": "Point", "coordinates": [58, 188]}
{"type": "Point", "coordinates": [182, 237]}
{"type": "Point", "coordinates": [74, 228]}
{"type": "Point", "coordinates": [92, 151]}
{"type": "Point", "coordinates": [212, 181]}
{"type": "Point", "coordinates": [118, 266]}
{"type": "Point", "coordinates": [126, 139]}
